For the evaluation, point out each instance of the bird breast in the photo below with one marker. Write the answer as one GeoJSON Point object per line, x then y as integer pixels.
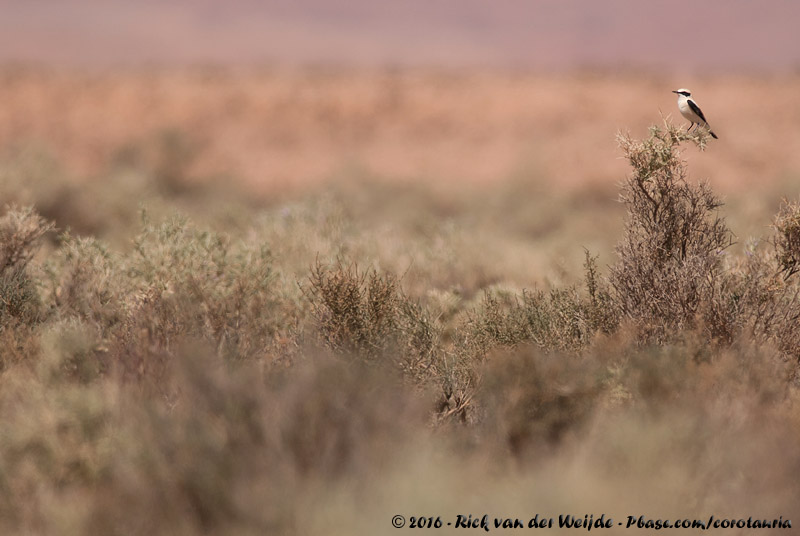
{"type": "Point", "coordinates": [686, 111]}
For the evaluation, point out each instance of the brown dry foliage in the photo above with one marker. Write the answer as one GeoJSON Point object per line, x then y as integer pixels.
{"type": "Point", "coordinates": [21, 231]}
{"type": "Point", "coordinates": [787, 240]}
{"type": "Point", "coordinates": [366, 314]}
{"type": "Point", "coordinates": [670, 259]}
{"type": "Point", "coordinates": [673, 273]}
{"type": "Point", "coordinates": [197, 382]}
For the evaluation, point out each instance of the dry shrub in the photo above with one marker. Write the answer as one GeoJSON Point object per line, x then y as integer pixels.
{"type": "Point", "coordinates": [89, 283]}
{"type": "Point", "coordinates": [21, 307]}
{"type": "Point", "coordinates": [787, 239]}
{"type": "Point", "coordinates": [556, 382]}
{"type": "Point", "coordinates": [179, 283]}
{"type": "Point", "coordinates": [235, 454]}
{"type": "Point", "coordinates": [20, 232]}
{"type": "Point", "coordinates": [367, 315]}
{"type": "Point", "coordinates": [559, 319]}
{"type": "Point", "coordinates": [670, 259]}
{"type": "Point", "coordinates": [672, 275]}
{"type": "Point", "coordinates": [602, 312]}
{"type": "Point", "coordinates": [232, 455]}
{"type": "Point", "coordinates": [340, 418]}
{"type": "Point", "coordinates": [19, 299]}
{"type": "Point", "coordinates": [195, 284]}
{"type": "Point", "coordinates": [554, 320]}
{"type": "Point", "coordinates": [198, 463]}
{"type": "Point", "coordinates": [71, 351]}
{"type": "Point", "coordinates": [532, 400]}
{"type": "Point", "coordinates": [759, 301]}
{"type": "Point", "coordinates": [531, 403]}
{"type": "Point", "coordinates": [103, 459]}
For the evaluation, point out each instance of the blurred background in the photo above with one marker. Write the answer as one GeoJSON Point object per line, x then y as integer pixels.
{"type": "Point", "coordinates": [676, 35]}
{"type": "Point", "coordinates": [280, 99]}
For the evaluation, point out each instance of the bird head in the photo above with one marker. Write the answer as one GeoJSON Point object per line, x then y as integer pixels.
{"type": "Point", "coordinates": [684, 92]}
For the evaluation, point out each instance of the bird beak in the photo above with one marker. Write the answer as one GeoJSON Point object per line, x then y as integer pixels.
{"type": "Point", "coordinates": [674, 91]}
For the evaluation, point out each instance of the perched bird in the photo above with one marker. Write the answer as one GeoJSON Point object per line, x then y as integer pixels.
{"type": "Point", "coordinates": [691, 111]}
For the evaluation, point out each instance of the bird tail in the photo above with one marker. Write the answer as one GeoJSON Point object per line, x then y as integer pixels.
{"type": "Point", "coordinates": [711, 132]}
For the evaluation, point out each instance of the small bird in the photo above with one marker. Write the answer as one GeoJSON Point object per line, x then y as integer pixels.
{"type": "Point", "coordinates": [691, 111]}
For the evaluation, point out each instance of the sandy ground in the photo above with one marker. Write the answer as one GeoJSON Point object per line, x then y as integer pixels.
{"type": "Point", "coordinates": [279, 128]}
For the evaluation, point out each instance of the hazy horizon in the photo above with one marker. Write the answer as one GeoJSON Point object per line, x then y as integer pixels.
{"type": "Point", "coordinates": [675, 35]}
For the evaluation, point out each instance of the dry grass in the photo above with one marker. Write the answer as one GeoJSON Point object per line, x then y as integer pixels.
{"type": "Point", "coordinates": [318, 363]}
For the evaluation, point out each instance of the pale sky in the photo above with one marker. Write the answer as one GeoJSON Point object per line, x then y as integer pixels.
{"type": "Point", "coordinates": [676, 34]}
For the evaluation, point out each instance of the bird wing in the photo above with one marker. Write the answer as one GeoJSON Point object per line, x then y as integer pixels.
{"type": "Point", "coordinates": [696, 109]}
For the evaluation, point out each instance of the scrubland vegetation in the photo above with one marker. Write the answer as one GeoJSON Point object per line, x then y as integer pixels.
{"type": "Point", "coordinates": [184, 358]}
